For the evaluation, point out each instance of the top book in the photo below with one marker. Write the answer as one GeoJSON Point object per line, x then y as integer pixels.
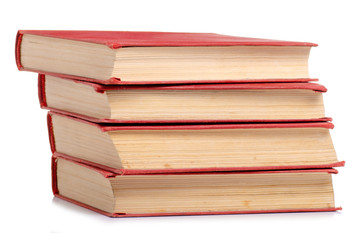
{"type": "Point", "coordinates": [111, 57]}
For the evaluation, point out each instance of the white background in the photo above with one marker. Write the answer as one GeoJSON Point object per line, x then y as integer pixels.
{"type": "Point", "coordinates": [27, 205]}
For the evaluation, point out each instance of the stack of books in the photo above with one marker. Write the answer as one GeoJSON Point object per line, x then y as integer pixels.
{"type": "Point", "coordinates": [156, 123]}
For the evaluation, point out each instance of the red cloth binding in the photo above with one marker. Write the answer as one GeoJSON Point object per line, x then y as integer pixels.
{"type": "Point", "coordinates": [118, 39]}
{"type": "Point", "coordinates": [182, 121]}
{"type": "Point", "coordinates": [41, 91]}
{"type": "Point", "coordinates": [206, 86]}
{"type": "Point", "coordinates": [117, 127]}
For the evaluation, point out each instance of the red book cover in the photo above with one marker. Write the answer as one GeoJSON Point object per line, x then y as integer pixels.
{"type": "Point", "coordinates": [108, 174]}
{"type": "Point", "coordinates": [118, 39]}
{"type": "Point", "coordinates": [244, 86]}
{"type": "Point", "coordinates": [121, 39]}
{"type": "Point", "coordinates": [118, 127]}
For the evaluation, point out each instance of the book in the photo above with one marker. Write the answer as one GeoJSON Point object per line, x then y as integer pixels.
{"type": "Point", "coordinates": [192, 193]}
{"type": "Point", "coordinates": [111, 57]}
{"type": "Point", "coordinates": [132, 148]}
{"type": "Point", "coordinates": [261, 102]}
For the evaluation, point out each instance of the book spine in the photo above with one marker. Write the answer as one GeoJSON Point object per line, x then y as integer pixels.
{"type": "Point", "coordinates": [17, 50]}
{"type": "Point", "coordinates": [51, 133]}
{"type": "Point", "coordinates": [54, 187]}
{"type": "Point", "coordinates": [41, 91]}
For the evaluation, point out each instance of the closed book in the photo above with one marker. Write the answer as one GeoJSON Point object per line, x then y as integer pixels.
{"type": "Point", "coordinates": [159, 148]}
{"type": "Point", "coordinates": [113, 57]}
{"type": "Point", "coordinates": [245, 102]}
{"type": "Point", "coordinates": [192, 193]}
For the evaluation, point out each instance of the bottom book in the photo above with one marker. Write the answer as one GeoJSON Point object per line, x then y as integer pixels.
{"type": "Point", "coordinates": [192, 193]}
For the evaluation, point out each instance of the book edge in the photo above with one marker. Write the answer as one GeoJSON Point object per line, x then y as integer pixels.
{"type": "Point", "coordinates": [119, 215]}
{"type": "Point", "coordinates": [112, 172]}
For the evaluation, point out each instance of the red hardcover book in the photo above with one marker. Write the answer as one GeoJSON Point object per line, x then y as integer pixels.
{"type": "Point", "coordinates": [204, 193]}
{"type": "Point", "coordinates": [173, 148]}
{"type": "Point", "coordinates": [111, 57]}
{"type": "Point", "coordinates": [202, 103]}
